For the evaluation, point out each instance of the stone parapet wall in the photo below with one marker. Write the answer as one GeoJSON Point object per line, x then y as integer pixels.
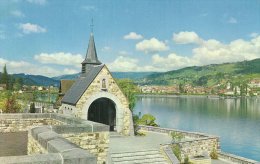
{"type": "Point", "coordinates": [33, 147]}
{"type": "Point", "coordinates": [15, 125]}
{"type": "Point", "coordinates": [168, 131]}
{"type": "Point", "coordinates": [95, 143]}
{"type": "Point", "coordinates": [197, 144]}
{"type": "Point", "coordinates": [70, 140]}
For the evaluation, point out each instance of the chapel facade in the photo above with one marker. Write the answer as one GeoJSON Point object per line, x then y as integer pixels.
{"type": "Point", "coordinates": [95, 96]}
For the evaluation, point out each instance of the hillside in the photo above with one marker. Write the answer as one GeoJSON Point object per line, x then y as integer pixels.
{"type": "Point", "coordinates": [37, 80]}
{"type": "Point", "coordinates": [206, 75]}
{"type": "Point", "coordinates": [197, 75]}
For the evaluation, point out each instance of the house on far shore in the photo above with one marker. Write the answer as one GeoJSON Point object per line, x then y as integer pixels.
{"type": "Point", "coordinates": [95, 96]}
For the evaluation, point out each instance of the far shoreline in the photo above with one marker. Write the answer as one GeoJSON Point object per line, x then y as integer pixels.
{"type": "Point", "coordinates": [198, 96]}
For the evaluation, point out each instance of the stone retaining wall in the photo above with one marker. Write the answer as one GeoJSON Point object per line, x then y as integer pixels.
{"type": "Point", "coordinates": [198, 143]}
{"type": "Point", "coordinates": [168, 131]}
{"type": "Point", "coordinates": [62, 139]}
{"type": "Point", "coordinates": [197, 147]}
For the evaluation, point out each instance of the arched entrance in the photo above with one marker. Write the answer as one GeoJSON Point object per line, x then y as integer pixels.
{"type": "Point", "coordinates": [103, 110]}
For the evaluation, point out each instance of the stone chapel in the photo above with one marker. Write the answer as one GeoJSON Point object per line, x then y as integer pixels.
{"type": "Point", "coordinates": [95, 96]}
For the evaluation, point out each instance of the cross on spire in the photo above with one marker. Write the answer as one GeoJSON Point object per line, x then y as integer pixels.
{"type": "Point", "coordinates": [92, 25]}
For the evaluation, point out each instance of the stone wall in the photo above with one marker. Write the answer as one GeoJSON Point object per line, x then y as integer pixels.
{"type": "Point", "coordinates": [14, 125]}
{"type": "Point", "coordinates": [33, 147]}
{"type": "Point", "coordinates": [197, 144]}
{"type": "Point", "coordinates": [69, 140]}
{"type": "Point", "coordinates": [197, 147]}
{"type": "Point", "coordinates": [95, 143]}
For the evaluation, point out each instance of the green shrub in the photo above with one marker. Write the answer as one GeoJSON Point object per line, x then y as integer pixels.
{"type": "Point", "coordinates": [147, 119]}
{"type": "Point", "coordinates": [214, 154]}
{"type": "Point", "coordinates": [177, 151]}
{"type": "Point", "coordinates": [176, 136]}
{"type": "Point", "coordinates": [186, 160]}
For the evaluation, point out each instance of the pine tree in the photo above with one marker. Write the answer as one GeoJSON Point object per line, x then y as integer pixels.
{"type": "Point", "coordinates": [4, 78]}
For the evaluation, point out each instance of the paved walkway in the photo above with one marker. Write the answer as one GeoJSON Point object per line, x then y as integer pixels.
{"type": "Point", "coordinates": [152, 140]}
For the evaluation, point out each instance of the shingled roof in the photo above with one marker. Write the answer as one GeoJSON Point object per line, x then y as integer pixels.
{"type": "Point", "coordinates": [91, 56]}
{"type": "Point", "coordinates": [81, 85]}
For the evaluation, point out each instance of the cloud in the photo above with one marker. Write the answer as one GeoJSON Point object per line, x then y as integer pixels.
{"type": "Point", "coordinates": [123, 53]}
{"type": "Point", "coordinates": [37, 2]}
{"type": "Point", "coordinates": [215, 52]}
{"type": "Point", "coordinates": [34, 69]}
{"type": "Point", "coordinates": [133, 35]}
{"type": "Point", "coordinates": [253, 34]}
{"type": "Point", "coordinates": [60, 58]}
{"type": "Point", "coordinates": [232, 20]}
{"type": "Point", "coordinates": [106, 48]}
{"type": "Point", "coordinates": [123, 64]}
{"type": "Point", "coordinates": [209, 52]}
{"type": "Point", "coordinates": [152, 45]}
{"type": "Point", "coordinates": [17, 13]}
{"type": "Point", "coordinates": [28, 28]}
{"type": "Point", "coordinates": [89, 8]}
{"type": "Point", "coordinates": [126, 64]}
{"type": "Point", "coordinates": [172, 61]}
{"type": "Point", "coordinates": [68, 71]}
{"type": "Point", "coordinates": [186, 37]}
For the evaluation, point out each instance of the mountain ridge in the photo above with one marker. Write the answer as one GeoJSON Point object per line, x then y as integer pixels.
{"type": "Point", "coordinates": [207, 75]}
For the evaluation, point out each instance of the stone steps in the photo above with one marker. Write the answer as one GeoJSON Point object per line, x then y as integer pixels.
{"type": "Point", "coordinates": [146, 156]}
{"type": "Point", "coordinates": [114, 135]}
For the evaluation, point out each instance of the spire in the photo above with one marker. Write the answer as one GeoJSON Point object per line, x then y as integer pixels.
{"type": "Point", "coordinates": [91, 56]}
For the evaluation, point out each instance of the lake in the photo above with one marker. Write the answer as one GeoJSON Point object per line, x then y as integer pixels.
{"type": "Point", "coordinates": [235, 121]}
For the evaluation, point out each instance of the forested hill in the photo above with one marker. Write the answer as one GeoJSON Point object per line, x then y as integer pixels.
{"type": "Point", "coordinates": [197, 75]}
{"type": "Point", "coordinates": [36, 80]}
{"type": "Point", "coordinates": [206, 75]}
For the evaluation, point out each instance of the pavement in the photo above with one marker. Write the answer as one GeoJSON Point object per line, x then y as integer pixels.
{"type": "Point", "coordinates": [152, 140]}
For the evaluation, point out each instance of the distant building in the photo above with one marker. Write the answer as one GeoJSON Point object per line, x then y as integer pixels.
{"type": "Point", "coordinates": [95, 95]}
{"type": "Point", "coordinates": [255, 83]}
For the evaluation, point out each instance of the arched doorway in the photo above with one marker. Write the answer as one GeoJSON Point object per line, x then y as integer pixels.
{"type": "Point", "coordinates": [103, 110]}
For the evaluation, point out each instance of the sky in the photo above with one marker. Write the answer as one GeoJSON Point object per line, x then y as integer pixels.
{"type": "Point", "coordinates": [50, 37]}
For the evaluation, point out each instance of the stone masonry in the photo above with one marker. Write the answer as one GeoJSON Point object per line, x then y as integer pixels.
{"type": "Point", "coordinates": [68, 140]}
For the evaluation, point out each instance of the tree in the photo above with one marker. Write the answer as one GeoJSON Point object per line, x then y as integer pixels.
{"type": "Point", "coordinates": [202, 81]}
{"type": "Point", "coordinates": [32, 108]}
{"type": "Point", "coordinates": [181, 88]}
{"type": "Point", "coordinates": [18, 84]}
{"type": "Point", "coordinates": [129, 89]}
{"type": "Point", "coordinates": [4, 77]}
{"type": "Point", "coordinates": [11, 105]}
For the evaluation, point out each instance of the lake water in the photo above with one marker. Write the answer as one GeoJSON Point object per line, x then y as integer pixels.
{"type": "Point", "coordinates": [235, 121]}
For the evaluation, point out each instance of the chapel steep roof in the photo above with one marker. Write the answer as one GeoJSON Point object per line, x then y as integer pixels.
{"type": "Point", "coordinates": [91, 56]}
